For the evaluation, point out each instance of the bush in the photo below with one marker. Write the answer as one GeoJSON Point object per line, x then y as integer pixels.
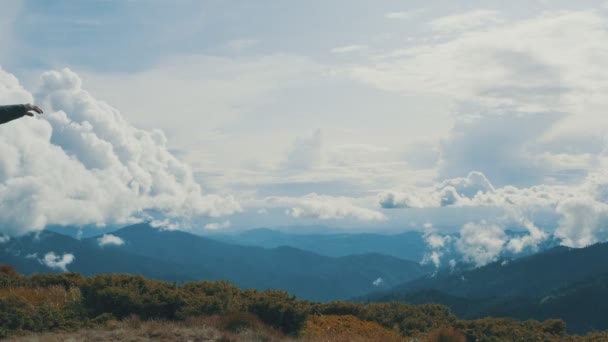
{"type": "Point", "coordinates": [446, 334]}
{"type": "Point", "coordinates": [346, 328]}
{"type": "Point", "coordinates": [70, 301]}
{"type": "Point", "coordinates": [239, 321]}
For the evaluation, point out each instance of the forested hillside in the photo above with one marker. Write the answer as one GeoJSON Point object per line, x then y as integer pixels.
{"type": "Point", "coordinates": [179, 256]}
{"type": "Point", "coordinates": [566, 283]}
{"type": "Point", "coordinates": [71, 302]}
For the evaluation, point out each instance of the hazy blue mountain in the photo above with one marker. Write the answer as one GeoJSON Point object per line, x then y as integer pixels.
{"type": "Point", "coordinates": [531, 276]}
{"type": "Point", "coordinates": [81, 232]}
{"type": "Point", "coordinates": [303, 273]}
{"type": "Point", "coordinates": [408, 245]}
{"type": "Point", "coordinates": [566, 283]}
{"type": "Point", "coordinates": [180, 256]}
{"type": "Point", "coordinates": [26, 253]}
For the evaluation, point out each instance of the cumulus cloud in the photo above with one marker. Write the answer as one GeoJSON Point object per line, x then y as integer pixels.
{"type": "Point", "coordinates": [83, 163]}
{"type": "Point", "coordinates": [392, 200]}
{"type": "Point", "coordinates": [55, 261]}
{"type": "Point", "coordinates": [453, 191]}
{"type": "Point", "coordinates": [534, 237]}
{"type": "Point", "coordinates": [481, 243]}
{"type": "Point", "coordinates": [378, 282]}
{"type": "Point", "coordinates": [583, 210]}
{"type": "Point", "coordinates": [218, 225]}
{"type": "Point", "coordinates": [437, 243]}
{"type": "Point", "coordinates": [325, 207]}
{"type": "Point", "coordinates": [584, 221]}
{"type": "Point", "coordinates": [449, 196]}
{"type": "Point", "coordinates": [469, 186]}
{"type": "Point", "coordinates": [110, 240]}
{"type": "Point", "coordinates": [434, 257]}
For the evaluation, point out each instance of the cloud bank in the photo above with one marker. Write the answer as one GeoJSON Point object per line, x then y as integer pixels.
{"type": "Point", "coordinates": [83, 163]}
{"type": "Point", "coordinates": [325, 207]}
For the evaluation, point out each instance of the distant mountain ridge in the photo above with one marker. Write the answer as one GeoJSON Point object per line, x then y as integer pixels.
{"type": "Point", "coordinates": [408, 245]}
{"type": "Point", "coordinates": [562, 282]}
{"type": "Point", "coordinates": [180, 256]}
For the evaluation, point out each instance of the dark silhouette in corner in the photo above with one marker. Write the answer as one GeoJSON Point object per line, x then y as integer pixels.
{"type": "Point", "coordinates": [12, 112]}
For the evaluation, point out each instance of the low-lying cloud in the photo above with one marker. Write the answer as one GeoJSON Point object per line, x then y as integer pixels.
{"type": "Point", "coordinates": [110, 240]}
{"type": "Point", "coordinates": [481, 243]}
{"type": "Point", "coordinates": [218, 225]}
{"type": "Point", "coordinates": [325, 207]}
{"type": "Point", "coordinates": [58, 262]}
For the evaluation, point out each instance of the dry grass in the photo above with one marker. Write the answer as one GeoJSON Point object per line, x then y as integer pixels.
{"type": "Point", "coordinates": [346, 328]}
{"type": "Point", "coordinates": [56, 295]}
{"type": "Point", "coordinates": [134, 330]}
{"type": "Point", "coordinates": [446, 334]}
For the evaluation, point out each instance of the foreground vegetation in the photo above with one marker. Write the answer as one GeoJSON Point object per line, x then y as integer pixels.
{"type": "Point", "coordinates": [106, 307]}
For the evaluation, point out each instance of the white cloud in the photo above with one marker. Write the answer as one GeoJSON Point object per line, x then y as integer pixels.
{"type": "Point", "coordinates": [110, 240]}
{"type": "Point", "coordinates": [474, 183]}
{"type": "Point", "coordinates": [349, 48]}
{"type": "Point", "coordinates": [481, 243]}
{"type": "Point", "coordinates": [584, 221]}
{"type": "Point", "coordinates": [522, 64]}
{"type": "Point", "coordinates": [83, 163]}
{"type": "Point", "coordinates": [437, 243]}
{"type": "Point", "coordinates": [449, 196]}
{"type": "Point", "coordinates": [378, 282]}
{"type": "Point", "coordinates": [218, 225]}
{"type": "Point", "coordinates": [4, 238]}
{"type": "Point", "coordinates": [466, 21]}
{"type": "Point", "coordinates": [394, 199]}
{"type": "Point", "coordinates": [454, 191]}
{"type": "Point", "coordinates": [325, 207]}
{"type": "Point", "coordinates": [531, 240]}
{"type": "Point", "coordinates": [55, 261]}
{"type": "Point", "coordinates": [434, 257]}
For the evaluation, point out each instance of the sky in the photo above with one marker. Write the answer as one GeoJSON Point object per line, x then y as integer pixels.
{"type": "Point", "coordinates": [440, 116]}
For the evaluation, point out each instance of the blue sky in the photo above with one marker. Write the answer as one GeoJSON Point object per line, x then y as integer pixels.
{"type": "Point", "coordinates": [357, 115]}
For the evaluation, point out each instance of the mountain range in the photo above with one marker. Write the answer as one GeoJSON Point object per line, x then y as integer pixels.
{"type": "Point", "coordinates": [408, 245]}
{"type": "Point", "coordinates": [179, 256]}
{"type": "Point", "coordinates": [557, 282]}
{"type": "Point", "coordinates": [566, 283]}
